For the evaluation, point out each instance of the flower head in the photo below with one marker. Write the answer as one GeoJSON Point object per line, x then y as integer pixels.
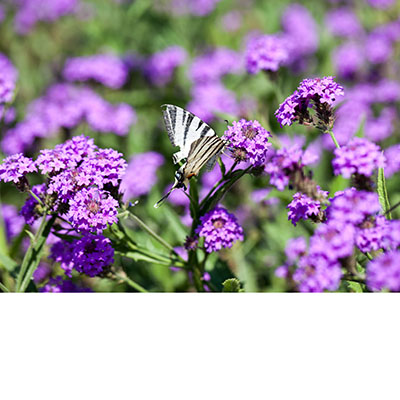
{"type": "Point", "coordinates": [160, 67]}
{"type": "Point", "coordinates": [359, 156]}
{"type": "Point", "coordinates": [30, 210]}
{"type": "Point", "coordinates": [13, 223]}
{"type": "Point", "coordinates": [219, 229]}
{"type": "Point", "coordinates": [91, 210]}
{"type": "Point", "coordinates": [383, 272]}
{"type": "Point", "coordinates": [8, 79]}
{"type": "Point", "coordinates": [107, 69]}
{"type": "Point", "coordinates": [266, 52]}
{"type": "Point", "coordinates": [16, 167]}
{"type": "Point", "coordinates": [60, 285]}
{"type": "Point", "coordinates": [303, 207]}
{"type": "Point", "coordinates": [249, 141]}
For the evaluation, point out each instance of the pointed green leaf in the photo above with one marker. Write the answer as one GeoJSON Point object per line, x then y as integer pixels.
{"type": "Point", "coordinates": [231, 285]}
{"type": "Point", "coordinates": [9, 264]}
{"type": "Point", "coordinates": [382, 193]}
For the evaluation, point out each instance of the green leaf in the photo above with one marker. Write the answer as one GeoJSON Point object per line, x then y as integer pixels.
{"type": "Point", "coordinates": [9, 264]}
{"type": "Point", "coordinates": [382, 193]}
{"type": "Point", "coordinates": [232, 285]}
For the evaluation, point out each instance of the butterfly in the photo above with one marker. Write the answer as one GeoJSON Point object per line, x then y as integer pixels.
{"type": "Point", "coordinates": [198, 144]}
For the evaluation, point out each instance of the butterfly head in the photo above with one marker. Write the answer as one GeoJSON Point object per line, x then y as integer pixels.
{"type": "Point", "coordinates": [180, 180]}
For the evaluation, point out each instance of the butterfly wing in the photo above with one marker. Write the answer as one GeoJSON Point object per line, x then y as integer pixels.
{"type": "Point", "coordinates": [203, 151]}
{"type": "Point", "coordinates": [184, 129]}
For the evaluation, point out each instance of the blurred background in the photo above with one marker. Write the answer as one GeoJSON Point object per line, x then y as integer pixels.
{"type": "Point", "coordinates": [104, 67]}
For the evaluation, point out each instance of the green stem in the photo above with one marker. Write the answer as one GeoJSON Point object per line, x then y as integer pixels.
{"type": "Point", "coordinates": [334, 139]}
{"type": "Point", "coordinates": [36, 198]}
{"type": "Point", "coordinates": [358, 279]}
{"type": "Point", "coordinates": [131, 283]}
{"type": "Point", "coordinates": [32, 256]}
{"type": "Point", "coordinates": [152, 233]}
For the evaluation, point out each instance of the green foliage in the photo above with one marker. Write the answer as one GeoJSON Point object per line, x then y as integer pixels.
{"type": "Point", "coordinates": [232, 285]}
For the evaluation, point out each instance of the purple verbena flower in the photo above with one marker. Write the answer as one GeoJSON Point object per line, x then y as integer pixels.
{"type": "Point", "coordinates": [92, 255]}
{"type": "Point", "coordinates": [92, 210]}
{"type": "Point", "coordinates": [294, 249]}
{"type": "Point", "coordinates": [353, 206]}
{"type": "Point", "coordinates": [212, 66]}
{"type": "Point", "coordinates": [219, 229]}
{"type": "Point", "coordinates": [8, 79]}
{"type": "Point", "coordinates": [41, 273]}
{"type": "Point", "coordinates": [392, 155]}
{"type": "Point", "coordinates": [59, 285]}
{"type": "Point", "coordinates": [383, 4]}
{"type": "Point", "coordinates": [383, 272]}
{"type": "Point", "coordinates": [265, 52]}
{"type": "Point", "coordinates": [140, 175]}
{"type": "Point", "coordinates": [13, 222]}
{"type": "Point", "coordinates": [348, 59]}
{"type": "Point", "coordinates": [372, 234]}
{"type": "Point", "coordinates": [107, 69]}
{"type": "Point", "coordinates": [343, 22]}
{"type": "Point", "coordinates": [359, 156]}
{"type": "Point", "coordinates": [302, 207]}
{"type": "Point", "coordinates": [15, 167]}
{"type": "Point", "coordinates": [62, 252]}
{"type": "Point", "coordinates": [160, 67]}
{"type": "Point", "coordinates": [378, 48]}
{"type": "Point", "coordinates": [249, 141]}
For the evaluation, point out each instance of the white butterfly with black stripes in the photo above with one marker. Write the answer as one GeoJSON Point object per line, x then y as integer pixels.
{"type": "Point", "coordinates": [198, 143]}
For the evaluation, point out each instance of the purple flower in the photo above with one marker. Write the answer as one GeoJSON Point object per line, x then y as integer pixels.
{"type": "Point", "coordinates": [31, 11]}
{"type": "Point", "coordinates": [382, 127]}
{"type": "Point", "coordinates": [378, 48]}
{"type": "Point", "coordinates": [359, 156]}
{"type": "Point", "coordinates": [219, 229]}
{"type": "Point", "coordinates": [212, 66]}
{"type": "Point", "coordinates": [107, 69]}
{"type": "Point", "coordinates": [211, 98]}
{"type": "Point", "coordinates": [249, 141]}
{"type": "Point", "coordinates": [300, 32]}
{"type": "Point", "coordinates": [312, 93]}
{"type": "Point", "coordinates": [383, 4]}
{"type": "Point", "coordinates": [353, 206]}
{"type": "Point", "coordinates": [316, 274]}
{"type": "Point", "coordinates": [383, 273]}
{"type": "Point", "coordinates": [61, 252]}
{"type": "Point", "coordinates": [8, 79]}
{"type": "Point", "coordinates": [13, 223]}
{"type": "Point", "coordinates": [294, 249]}
{"type": "Point", "coordinates": [140, 174]}
{"type": "Point", "coordinates": [41, 273]}
{"type": "Point", "coordinates": [15, 167]}
{"type": "Point", "coordinates": [160, 67]}
{"type": "Point", "coordinates": [266, 52]}
{"type": "Point", "coordinates": [29, 210]}
{"type": "Point", "coordinates": [348, 59]}
{"type": "Point", "coordinates": [392, 155]}
{"type": "Point", "coordinates": [232, 21]}
{"type": "Point", "coordinates": [92, 255]}
{"type": "Point", "coordinates": [343, 22]}
{"type": "Point", "coordinates": [59, 285]}
{"type": "Point", "coordinates": [372, 235]}
{"type": "Point", "coordinates": [262, 196]}
{"type": "Point", "coordinates": [92, 210]}
{"type": "Point", "coordinates": [199, 8]}
{"type": "Point", "coordinates": [302, 207]}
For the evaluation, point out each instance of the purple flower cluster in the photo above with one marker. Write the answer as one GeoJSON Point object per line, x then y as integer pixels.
{"type": "Point", "coordinates": [359, 156]}
{"type": "Point", "coordinates": [249, 141]}
{"type": "Point", "coordinates": [349, 59]}
{"type": "Point", "coordinates": [32, 11]}
{"type": "Point", "coordinates": [343, 22]}
{"type": "Point", "coordinates": [90, 255]}
{"type": "Point", "coordinates": [199, 8]}
{"type": "Point", "coordinates": [383, 273]}
{"type": "Point", "coordinates": [15, 167]}
{"type": "Point", "coordinates": [302, 207]}
{"type": "Point", "coordinates": [392, 155]}
{"type": "Point", "coordinates": [219, 229]}
{"type": "Point", "coordinates": [140, 175]}
{"type": "Point", "coordinates": [383, 4]}
{"type": "Point", "coordinates": [289, 158]}
{"type": "Point", "coordinates": [300, 32]}
{"type": "Point", "coordinates": [60, 285]}
{"type": "Point", "coordinates": [381, 127]}
{"type": "Point", "coordinates": [13, 223]}
{"type": "Point", "coordinates": [64, 106]}
{"type": "Point", "coordinates": [107, 69]}
{"type": "Point", "coordinates": [210, 98]}
{"type": "Point", "coordinates": [311, 93]}
{"type": "Point", "coordinates": [160, 67]}
{"type": "Point", "coordinates": [212, 66]}
{"type": "Point", "coordinates": [8, 79]}
{"type": "Point", "coordinates": [265, 52]}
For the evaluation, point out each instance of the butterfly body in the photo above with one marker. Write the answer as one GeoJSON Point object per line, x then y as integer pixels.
{"type": "Point", "coordinates": [199, 144]}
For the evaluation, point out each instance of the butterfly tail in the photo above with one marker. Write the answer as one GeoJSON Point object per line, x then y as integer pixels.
{"type": "Point", "coordinates": [161, 201]}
